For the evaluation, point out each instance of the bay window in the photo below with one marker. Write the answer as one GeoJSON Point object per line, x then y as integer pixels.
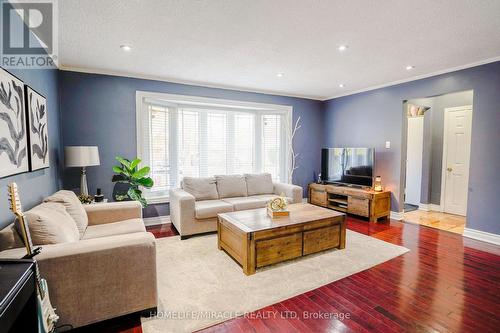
{"type": "Point", "coordinates": [200, 137]}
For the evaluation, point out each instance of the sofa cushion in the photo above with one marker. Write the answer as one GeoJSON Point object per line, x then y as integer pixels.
{"type": "Point", "coordinates": [114, 228]}
{"type": "Point", "coordinates": [259, 183]}
{"type": "Point", "coordinates": [73, 207]}
{"type": "Point", "coordinates": [210, 208]}
{"type": "Point", "coordinates": [200, 188]}
{"type": "Point", "coordinates": [50, 223]}
{"type": "Point", "coordinates": [243, 203]}
{"type": "Point", "coordinates": [230, 186]}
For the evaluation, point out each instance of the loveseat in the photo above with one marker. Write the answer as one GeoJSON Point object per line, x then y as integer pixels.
{"type": "Point", "coordinates": [194, 206]}
{"type": "Point", "coordinates": [98, 260]}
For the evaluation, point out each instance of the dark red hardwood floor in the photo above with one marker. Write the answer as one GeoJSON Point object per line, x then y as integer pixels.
{"type": "Point", "coordinates": [446, 283]}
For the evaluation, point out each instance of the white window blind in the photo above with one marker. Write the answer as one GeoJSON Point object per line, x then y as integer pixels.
{"type": "Point", "coordinates": [182, 139]}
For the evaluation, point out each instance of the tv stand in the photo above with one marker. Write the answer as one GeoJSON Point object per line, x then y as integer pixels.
{"type": "Point", "coordinates": [357, 201]}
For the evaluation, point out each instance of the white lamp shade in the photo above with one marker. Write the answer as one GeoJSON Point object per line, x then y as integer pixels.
{"type": "Point", "coordinates": [81, 156]}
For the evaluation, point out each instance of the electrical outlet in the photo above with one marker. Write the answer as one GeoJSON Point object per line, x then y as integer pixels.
{"type": "Point", "coordinates": [388, 144]}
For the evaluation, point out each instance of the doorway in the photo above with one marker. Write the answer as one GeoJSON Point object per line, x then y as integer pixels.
{"type": "Point", "coordinates": [436, 156]}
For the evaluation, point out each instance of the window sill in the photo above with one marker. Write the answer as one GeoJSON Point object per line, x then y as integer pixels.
{"type": "Point", "coordinates": [157, 200]}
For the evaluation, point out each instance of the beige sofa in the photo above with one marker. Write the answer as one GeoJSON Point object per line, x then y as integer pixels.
{"type": "Point", "coordinates": [98, 260]}
{"type": "Point", "coordinates": [194, 206]}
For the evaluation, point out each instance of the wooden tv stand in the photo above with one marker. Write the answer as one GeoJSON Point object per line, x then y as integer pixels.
{"type": "Point", "coordinates": [367, 203]}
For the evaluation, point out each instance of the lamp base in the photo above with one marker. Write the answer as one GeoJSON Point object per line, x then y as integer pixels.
{"type": "Point", "coordinates": [84, 189]}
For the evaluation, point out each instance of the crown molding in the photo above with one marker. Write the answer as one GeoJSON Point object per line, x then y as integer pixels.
{"type": "Point", "coordinates": [270, 92]}
{"type": "Point", "coordinates": [185, 82]}
{"type": "Point", "coordinates": [418, 77]}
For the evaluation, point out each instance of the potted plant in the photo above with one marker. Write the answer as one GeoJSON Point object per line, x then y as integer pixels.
{"type": "Point", "coordinates": [129, 174]}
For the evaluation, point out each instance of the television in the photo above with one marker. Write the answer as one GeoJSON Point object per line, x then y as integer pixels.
{"type": "Point", "coordinates": [348, 166]}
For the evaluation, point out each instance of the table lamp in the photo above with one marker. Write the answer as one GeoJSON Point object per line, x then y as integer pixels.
{"type": "Point", "coordinates": [82, 157]}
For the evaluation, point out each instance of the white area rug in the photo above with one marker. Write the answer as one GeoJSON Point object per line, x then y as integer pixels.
{"type": "Point", "coordinates": [199, 285]}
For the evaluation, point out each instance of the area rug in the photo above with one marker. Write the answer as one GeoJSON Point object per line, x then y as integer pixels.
{"type": "Point", "coordinates": [199, 285]}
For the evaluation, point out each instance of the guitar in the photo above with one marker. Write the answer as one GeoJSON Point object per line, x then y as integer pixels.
{"type": "Point", "coordinates": [46, 314]}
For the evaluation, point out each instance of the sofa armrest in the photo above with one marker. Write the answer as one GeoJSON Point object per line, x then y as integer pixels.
{"type": "Point", "coordinates": [182, 211]}
{"type": "Point", "coordinates": [290, 190]}
{"type": "Point", "coordinates": [97, 279]}
{"type": "Point", "coordinates": [113, 212]}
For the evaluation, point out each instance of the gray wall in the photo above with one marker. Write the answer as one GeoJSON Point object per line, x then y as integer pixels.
{"type": "Point", "coordinates": [100, 110]}
{"type": "Point", "coordinates": [371, 118]}
{"type": "Point", "coordinates": [34, 186]}
{"type": "Point", "coordinates": [432, 162]}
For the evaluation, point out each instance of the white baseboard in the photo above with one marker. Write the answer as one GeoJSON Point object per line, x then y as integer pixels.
{"type": "Point", "coordinates": [424, 207]}
{"type": "Point", "coordinates": [430, 207]}
{"type": "Point", "coordinates": [435, 208]}
{"type": "Point", "coordinates": [396, 215]}
{"type": "Point", "coordinates": [156, 220]}
{"type": "Point", "coordinates": [482, 236]}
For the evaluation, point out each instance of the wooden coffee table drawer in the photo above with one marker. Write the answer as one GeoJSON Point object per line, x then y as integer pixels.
{"type": "Point", "coordinates": [321, 239]}
{"type": "Point", "coordinates": [275, 250]}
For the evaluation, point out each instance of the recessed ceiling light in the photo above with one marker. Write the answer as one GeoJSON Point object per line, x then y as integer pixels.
{"type": "Point", "coordinates": [280, 75]}
{"type": "Point", "coordinates": [342, 48]}
{"type": "Point", "coordinates": [341, 85]}
{"type": "Point", "coordinates": [409, 67]}
{"type": "Point", "coordinates": [125, 47]}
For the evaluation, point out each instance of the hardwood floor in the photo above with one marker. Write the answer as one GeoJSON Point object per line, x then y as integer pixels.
{"type": "Point", "coordinates": [438, 220]}
{"type": "Point", "coordinates": [445, 283]}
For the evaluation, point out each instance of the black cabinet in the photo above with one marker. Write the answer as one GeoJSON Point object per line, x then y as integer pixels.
{"type": "Point", "coordinates": [18, 301]}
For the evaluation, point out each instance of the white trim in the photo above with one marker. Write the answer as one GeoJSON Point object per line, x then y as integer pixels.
{"type": "Point", "coordinates": [482, 236]}
{"type": "Point", "coordinates": [435, 208]}
{"type": "Point", "coordinates": [156, 220]}
{"type": "Point", "coordinates": [190, 99]}
{"type": "Point", "coordinates": [424, 207]}
{"type": "Point", "coordinates": [442, 207]}
{"type": "Point", "coordinates": [418, 77]}
{"type": "Point", "coordinates": [430, 207]}
{"type": "Point", "coordinates": [396, 215]}
{"type": "Point", "coordinates": [185, 82]}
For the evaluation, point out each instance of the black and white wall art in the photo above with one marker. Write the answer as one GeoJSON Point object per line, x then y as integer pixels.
{"type": "Point", "coordinates": [38, 136]}
{"type": "Point", "coordinates": [13, 136]}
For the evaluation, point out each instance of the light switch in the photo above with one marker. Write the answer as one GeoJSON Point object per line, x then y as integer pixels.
{"type": "Point", "coordinates": [388, 144]}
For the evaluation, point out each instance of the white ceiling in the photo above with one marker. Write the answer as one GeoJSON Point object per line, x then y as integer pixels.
{"type": "Point", "coordinates": [243, 44]}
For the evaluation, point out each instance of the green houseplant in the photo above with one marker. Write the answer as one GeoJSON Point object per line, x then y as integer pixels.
{"type": "Point", "coordinates": [129, 173]}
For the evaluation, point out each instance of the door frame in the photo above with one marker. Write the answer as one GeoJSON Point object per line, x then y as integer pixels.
{"type": "Point", "coordinates": [444, 163]}
{"type": "Point", "coordinates": [406, 160]}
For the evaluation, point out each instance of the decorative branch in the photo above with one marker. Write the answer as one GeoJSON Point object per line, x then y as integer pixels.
{"type": "Point", "coordinates": [293, 156]}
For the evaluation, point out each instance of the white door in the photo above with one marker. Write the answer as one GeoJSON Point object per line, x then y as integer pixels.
{"type": "Point", "coordinates": [414, 151]}
{"type": "Point", "coordinates": [456, 156]}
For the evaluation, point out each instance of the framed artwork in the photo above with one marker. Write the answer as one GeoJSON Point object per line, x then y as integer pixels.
{"type": "Point", "coordinates": [13, 134]}
{"type": "Point", "coordinates": [38, 135]}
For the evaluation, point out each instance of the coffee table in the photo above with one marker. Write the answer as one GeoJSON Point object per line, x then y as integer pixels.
{"type": "Point", "coordinates": [255, 240]}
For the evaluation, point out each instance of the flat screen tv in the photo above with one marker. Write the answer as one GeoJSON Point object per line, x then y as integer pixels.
{"type": "Point", "coordinates": [349, 166]}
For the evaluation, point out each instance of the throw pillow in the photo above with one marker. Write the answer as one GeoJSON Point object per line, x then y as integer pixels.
{"type": "Point", "coordinates": [50, 223]}
{"type": "Point", "coordinates": [259, 183]}
{"type": "Point", "coordinates": [200, 188]}
{"type": "Point", "coordinates": [230, 186]}
{"type": "Point", "coordinates": [73, 206]}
